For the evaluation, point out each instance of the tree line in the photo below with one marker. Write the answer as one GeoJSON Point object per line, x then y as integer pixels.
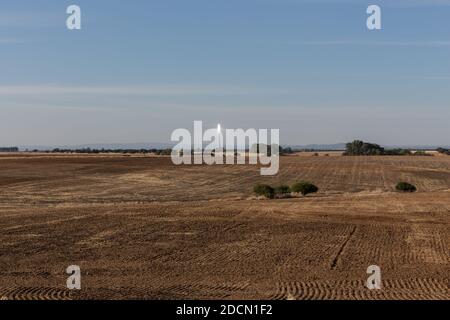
{"type": "Point", "coordinates": [96, 151]}
{"type": "Point", "coordinates": [361, 148]}
{"type": "Point", "coordinates": [443, 151]}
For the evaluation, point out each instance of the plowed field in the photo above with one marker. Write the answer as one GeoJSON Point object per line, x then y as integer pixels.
{"type": "Point", "coordinates": [143, 228]}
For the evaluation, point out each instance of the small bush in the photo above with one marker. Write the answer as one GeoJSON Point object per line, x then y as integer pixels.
{"type": "Point", "coordinates": [264, 190]}
{"type": "Point", "coordinates": [282, 190]}
{"type": "Point", "coordinates": [304, 188]}
{"type": "Point", "coordinates": [405, 187]}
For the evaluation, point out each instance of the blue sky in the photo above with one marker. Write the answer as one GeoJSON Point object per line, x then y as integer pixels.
{"type": "Point", "coordinates": [140, 69]}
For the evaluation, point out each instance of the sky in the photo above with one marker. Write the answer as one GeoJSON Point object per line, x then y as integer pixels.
{"type": "Point", "coordinates": [139, 69]}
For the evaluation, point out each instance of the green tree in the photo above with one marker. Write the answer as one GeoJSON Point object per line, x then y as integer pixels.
{"type": "Point", "coordinates": [405, 187]}
{"type": "Point", "coordinates": [282, 190]}
{"type": "Point", "coordinates": [361, 148]}
{"type": "Point", "coordinates": [304, 187]}
{"type": "Point", "coordinates": [264, 190]}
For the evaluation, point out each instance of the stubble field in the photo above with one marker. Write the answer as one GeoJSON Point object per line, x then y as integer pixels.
{"type": "Point", "coordinates": [142, 228]}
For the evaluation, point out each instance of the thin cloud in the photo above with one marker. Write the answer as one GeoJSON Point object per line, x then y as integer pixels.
{"type": "Point", "coordinates": [384, 3]}
{"type": "Point", "coordinates": [11, 41]}
{"type": "Point", "coordinates": [139, 90]}
{"type": "Point", "coordinates": [412, 3]}
{"type": "Point", "coordinates": [30, 19]}
{"type": "Point", "coordinates": [437, 43]}
{"type": "Point", "coordinates": [433, 77]}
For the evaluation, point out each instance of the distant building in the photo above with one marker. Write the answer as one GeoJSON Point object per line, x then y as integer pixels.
{"type": "Point", "coordinates": [9, 149]}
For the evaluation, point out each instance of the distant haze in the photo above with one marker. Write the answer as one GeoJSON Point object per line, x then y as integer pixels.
{"type": "Point", "coordinates": [137, 146]}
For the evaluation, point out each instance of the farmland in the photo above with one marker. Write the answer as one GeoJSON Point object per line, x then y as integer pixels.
{"type": "Point", "coordinates": [142, 228]}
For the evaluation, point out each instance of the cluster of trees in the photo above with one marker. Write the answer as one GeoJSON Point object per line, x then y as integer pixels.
{"type": "Point", "coordinates": [361, 148]}
{"type": "Point", "coordinates": [9, 149]}
{"type": "Point", "coordinates": [283, 191]}
{"type": "Point", "coordinates": [305, 187]}
{"type": "Point", "coordinates": [443, 151]}
{"type": "Point", "coordinates": [287, 150]}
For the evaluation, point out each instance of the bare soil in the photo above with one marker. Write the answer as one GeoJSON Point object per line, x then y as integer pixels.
{"type": "Point", "coordinates": [142, 228]}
